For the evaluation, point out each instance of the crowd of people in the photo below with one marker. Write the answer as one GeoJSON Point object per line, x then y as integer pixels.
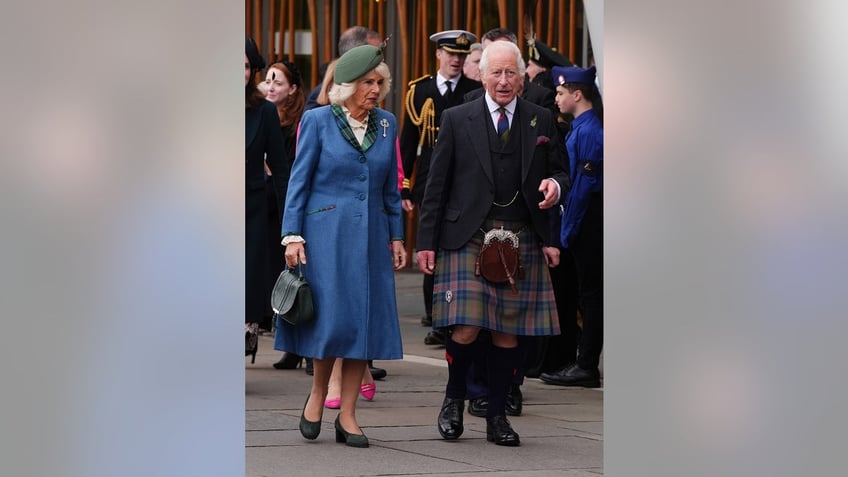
{"type": "Point", "coordinates": [510, 221]}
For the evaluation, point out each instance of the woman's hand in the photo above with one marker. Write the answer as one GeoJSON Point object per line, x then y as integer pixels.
{"type": "Point", "coordinates": [398, 254]}
{"type": "Point", "coordinates": [294, 253]}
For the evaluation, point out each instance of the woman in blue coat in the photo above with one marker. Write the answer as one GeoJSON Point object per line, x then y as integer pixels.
{"type": "Point", "coordinates": [342, 222]}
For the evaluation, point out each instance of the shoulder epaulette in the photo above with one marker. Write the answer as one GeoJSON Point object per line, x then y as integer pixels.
{"type": "Point", "coordinates": [425, 77]}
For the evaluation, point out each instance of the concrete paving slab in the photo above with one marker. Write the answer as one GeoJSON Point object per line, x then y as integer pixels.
{"type": "Point", "coordinates": [561, 428]}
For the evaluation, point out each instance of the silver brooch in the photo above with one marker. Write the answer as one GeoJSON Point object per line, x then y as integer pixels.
{"type": "Point", "coordinates": [385, 123]}
{"type": "Point", "coordinates": [448, 296]}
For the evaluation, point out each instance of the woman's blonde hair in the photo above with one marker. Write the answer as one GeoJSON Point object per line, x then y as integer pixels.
{"type": "Point", "coordinates": [339, 93]}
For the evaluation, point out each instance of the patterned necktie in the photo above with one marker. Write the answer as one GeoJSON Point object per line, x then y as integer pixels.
{"type": "Point", "coordinates": [503, 125]}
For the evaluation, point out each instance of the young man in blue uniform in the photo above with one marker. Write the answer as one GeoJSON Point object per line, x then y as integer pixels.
{"type": "Point", "coordinates": [583, 217]}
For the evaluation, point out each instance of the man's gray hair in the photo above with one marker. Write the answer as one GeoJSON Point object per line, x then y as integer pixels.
{"type": "Point", "coordinates": [502, 46]}
{"type": "Point", "coordinates": [356, 36]}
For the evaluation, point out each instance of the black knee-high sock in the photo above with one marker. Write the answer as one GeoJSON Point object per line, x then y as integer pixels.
{"type": "Point", "coordinates": [459, 358]}
{"type": "Point", "coordinates": [501, 363]}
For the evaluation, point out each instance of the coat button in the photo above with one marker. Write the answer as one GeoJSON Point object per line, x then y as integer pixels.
{"type": "Point", "coordinates": [362, 177]}
{"type": "Point", "coordinates": [362, 159]}
{"type": "Point", "coordinates": [361, 196]}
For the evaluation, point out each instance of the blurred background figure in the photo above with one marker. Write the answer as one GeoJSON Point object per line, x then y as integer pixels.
{"type": "Point", "coordinates": [471, 68]}
{"type": "Point", "coordinates": [540, 59]}
{"type": "Point", "coordinates": [263, 145]}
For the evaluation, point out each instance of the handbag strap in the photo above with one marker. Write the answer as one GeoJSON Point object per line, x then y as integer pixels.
{"type": "Point", "coordinates": [299, 267]}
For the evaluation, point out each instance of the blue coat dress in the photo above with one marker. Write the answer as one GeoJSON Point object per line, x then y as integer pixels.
{"type": "Point", "coordinates": [346, 205]}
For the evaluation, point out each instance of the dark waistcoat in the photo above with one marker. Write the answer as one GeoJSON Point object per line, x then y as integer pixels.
{"type": "Point", "coordinates": [506, 167]}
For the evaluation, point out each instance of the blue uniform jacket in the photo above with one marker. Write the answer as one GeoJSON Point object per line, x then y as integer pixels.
{"type": "Point", "coordinates": [585, 146]}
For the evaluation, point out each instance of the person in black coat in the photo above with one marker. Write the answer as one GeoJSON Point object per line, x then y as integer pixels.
{"type": "Point", "coordinates": [263, 143]}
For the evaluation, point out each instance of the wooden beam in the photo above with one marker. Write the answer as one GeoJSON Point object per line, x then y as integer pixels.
{"type": "Point", "coordinates": [572, 31]}
{"type": "Point", "coordinates": [313, 23]}
{"type": "Point", "coordinates": [291, 31]}
{"type": "Point", "coordinates": [344, 15]}
{"type": "Point", "coordinates": [469, 15]}
{"type": "Point", "coordinates": [562, 30]}
{"type": "Point", "coordinates": [404, 47]}
{"type": "Point", "coordinates": [440, 16]}
{"type": "Point", "coordinates": [549, 38]}
{"type": "Point", "coordinates": [502, 13]}
{"type": "Point", "coordinates": [360, 11]}
{"type": "Point", "coordinates": [381, 19]}
{"type": "Point", "coordinates": [257, 23]}
{"type": "Point", "coordinates": [328, 30]}
{"type": "Point", "coordinates": [478, 23]}
{"type": "Point", "coordinates": [248, 15]}
{"type": "Point", "coordinates": [281, 23]}
{"type": "Point", "coordinates": [538, 24]}
{"type": "Point", "coordinates": [272, 23]}
{"type": "Point", "coordinates": [425, 54]}
{"type": "Point", "coordinates": [372, 14]}
{"type": "Point", "coordinates": [520, 28]}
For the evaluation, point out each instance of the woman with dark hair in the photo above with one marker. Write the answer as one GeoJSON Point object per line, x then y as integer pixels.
{"type": "Point", "coordinates": [263, 142]}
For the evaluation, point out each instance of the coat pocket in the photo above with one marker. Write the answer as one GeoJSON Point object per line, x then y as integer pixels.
{"type": "Point", "coordinates": [322, 209]}
{"type": "Point", "coordinates": [451, 214]}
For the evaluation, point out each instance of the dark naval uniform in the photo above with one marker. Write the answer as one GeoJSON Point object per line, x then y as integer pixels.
{"type": "Point", "coordinates": [424, 103]}
{"type": "Point", "coordinates": [424, 108]}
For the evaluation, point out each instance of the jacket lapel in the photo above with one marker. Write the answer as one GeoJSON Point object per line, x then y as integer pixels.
{"type": "Point", "coordinates": [480, 142]}
{"type": "Point", "coordinates": [528, 136]}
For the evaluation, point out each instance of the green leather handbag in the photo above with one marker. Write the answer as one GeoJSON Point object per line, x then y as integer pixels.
{"type": "Point", "coordinates": [291, 297]}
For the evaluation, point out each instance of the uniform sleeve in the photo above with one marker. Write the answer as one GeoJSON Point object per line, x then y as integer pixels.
{"type": "Point", "coordinates": [435, 193]}
{"type": "Point", "coordinates": [588, 179]}
{"type": "Point", "coordinates": [408, 150]}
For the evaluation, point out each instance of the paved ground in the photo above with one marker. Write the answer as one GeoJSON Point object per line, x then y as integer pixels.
{"type": "Point", "coordinates": [561, 429]}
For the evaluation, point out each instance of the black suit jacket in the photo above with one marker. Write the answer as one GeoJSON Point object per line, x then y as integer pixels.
{"type": "Point", "coordinates": [460, 186]}
{"type": "Point", "coordinates": [410, 136]}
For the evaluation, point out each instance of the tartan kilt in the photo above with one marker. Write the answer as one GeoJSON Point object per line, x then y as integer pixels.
{"type": "Point", "coordinates": [460, 298]}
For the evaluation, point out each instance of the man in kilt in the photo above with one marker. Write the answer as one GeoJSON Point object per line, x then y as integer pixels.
{"type": "Point", "coordinates": [498, 167]}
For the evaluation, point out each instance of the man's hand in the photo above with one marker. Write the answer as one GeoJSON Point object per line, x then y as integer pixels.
{"type": "Point", "coordinates": [426, 261]}
{"type": "Point", "coordinates": [550, 189]}
{"type": "Point", "coordinates": [407, 205]}
{"type": "Point", "coordinates": [551, 256]}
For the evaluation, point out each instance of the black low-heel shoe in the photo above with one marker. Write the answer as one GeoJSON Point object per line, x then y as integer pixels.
{"type": "Point", "coordinates": [309, 429]}
{"type": "Point", "coordinates": [289, 361]}
{"type": "Point", "coordinates": [352, 440]}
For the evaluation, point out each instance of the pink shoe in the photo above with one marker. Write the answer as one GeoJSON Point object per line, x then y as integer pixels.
{"type": "Point", "coordinates": [333, 403]}
{"type": "Point", "coordinates": [368, 390]}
